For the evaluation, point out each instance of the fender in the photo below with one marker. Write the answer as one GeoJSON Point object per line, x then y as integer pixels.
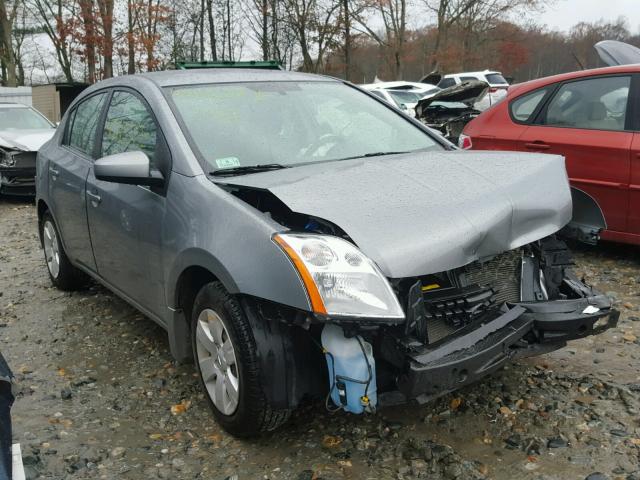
{"type": "Point", "coordinates": [587, 221]}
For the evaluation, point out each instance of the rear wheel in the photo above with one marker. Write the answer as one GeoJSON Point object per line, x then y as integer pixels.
{"type": "Point", "coordinates": [63, 275]}
{"type": "Point", "coordinates": [224, 349]}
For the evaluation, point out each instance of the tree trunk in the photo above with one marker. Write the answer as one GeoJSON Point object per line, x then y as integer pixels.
{"type": "Point", "coordinates": [106, 15]}
{"type": "Point", "coordinates": [131, 48]}
{"type": "Point", "coordinates": [212, 31]}
{"type": "Point", "coordinates": [265, 29]}
{"type": "Point", "coordinates": [347, 40]}
{"type": "Point", "coordinates": [202, 8]}
{"type": "Point", "coordinates": [86, 11]}
{"type": "Point", "coordinates": [6, 45]}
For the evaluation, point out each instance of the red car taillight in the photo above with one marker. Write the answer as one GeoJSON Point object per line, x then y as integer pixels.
{"type": "Point", "coordinates": [464, 141]}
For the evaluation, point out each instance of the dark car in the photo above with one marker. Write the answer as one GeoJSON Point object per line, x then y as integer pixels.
{"type": "Point", "coordinates": [298, 237]}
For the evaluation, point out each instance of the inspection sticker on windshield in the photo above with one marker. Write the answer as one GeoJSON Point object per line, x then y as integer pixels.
{"type": "Point", "coordinates": [227, 162]}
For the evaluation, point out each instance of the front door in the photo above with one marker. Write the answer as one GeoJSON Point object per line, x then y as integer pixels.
{"type": "Point", "coordinates": [586, 121]}
{"type": "Point", "coordinates": [68, 172]}
{"type": "Point", "coordinates": [125, 221]}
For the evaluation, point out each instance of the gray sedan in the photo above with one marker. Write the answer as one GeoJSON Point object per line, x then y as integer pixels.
{"type": "Point", "coordinates": [298, 237]}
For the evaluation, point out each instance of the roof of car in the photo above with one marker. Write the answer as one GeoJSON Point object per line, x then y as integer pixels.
{"type": "Point", "coordinates": [541, 82]}
{"type": "Point", "coordinates": [169, 78]}
{"type": "Point", "coordinates": [484, 72]}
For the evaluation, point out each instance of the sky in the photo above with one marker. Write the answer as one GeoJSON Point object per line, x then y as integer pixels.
{"type": "Point", "coordinates": [566, 13]}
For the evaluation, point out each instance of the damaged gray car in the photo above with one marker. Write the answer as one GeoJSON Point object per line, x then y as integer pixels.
{"type": "Point", "coordinates": [299, 238]}
{"type": "Point", "coordinates": [22, 132]}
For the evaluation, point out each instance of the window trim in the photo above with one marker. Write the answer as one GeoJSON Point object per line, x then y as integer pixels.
{"type": "Point", "coordinates": [65, 138]}
{"type": "Point", "coordinates": [628, 122]}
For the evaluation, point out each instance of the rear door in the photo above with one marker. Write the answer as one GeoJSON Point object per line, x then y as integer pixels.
{"type": "Point", "coordinates": [68, 169]}
{"type": "Point", "coordinates": [125, 221]}
{"type": "Point", "coordinates": [587, 121]}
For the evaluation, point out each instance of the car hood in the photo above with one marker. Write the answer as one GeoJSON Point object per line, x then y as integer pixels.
{"type": "Point", "coordinates": [428, 212]}
{"type": "Point", "coordinates": [26, 140]}
{"type": "Point", "coordinates": [613, 52]}
{"type": "Point", "coordinates": [468, 92]}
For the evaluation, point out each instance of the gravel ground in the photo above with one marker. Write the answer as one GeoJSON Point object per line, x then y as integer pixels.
{"type": "Point", "coordinates": [100, 397]}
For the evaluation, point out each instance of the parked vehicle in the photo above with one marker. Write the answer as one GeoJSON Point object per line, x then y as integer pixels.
{"type": "Point", "coordinates": [590, 117]}
{"type": "Point", "coordinates": [449, 110]}
{"type": "Point", "coordinates": [22, 132]}
{"type": "Point", "coordinates": [298, 237]}
{"type": "Point", "coordinates": [404, 95]}
{"type": "Point", "coordinates": [498, 85]}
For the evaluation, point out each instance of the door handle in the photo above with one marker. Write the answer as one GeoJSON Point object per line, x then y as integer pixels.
{"type": "Point", "coordinates": [54, 171]}
{"type": "Point", "coordinates": [537, 146]}
{"type": "Point", "coordinates": [95, 198]}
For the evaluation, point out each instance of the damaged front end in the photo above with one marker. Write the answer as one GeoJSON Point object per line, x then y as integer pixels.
{"type": "Point", "coordinates": [466, 323]}
{"type": "Point", "coordinates": [17, 171]}
{"type": "Point", "coordinates": [452, 108]}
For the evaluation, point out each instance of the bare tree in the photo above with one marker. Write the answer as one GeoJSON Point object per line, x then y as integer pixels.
{"type": "Point", "coordinates": [394, 37]}
{"type": "Point", "coordinates": [8, 13]}
{"type": "Point", "coordinates": [105, 9]}
{"type": "Point", "coordinates": [55, 17]}
{"type": "Point", "coordinates": [316, 24]}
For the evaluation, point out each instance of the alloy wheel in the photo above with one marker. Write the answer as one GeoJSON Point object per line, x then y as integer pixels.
{"type": "Point", "coordinates": [51, 248]}
{"type": "Point", "coordinates": [217, 361]}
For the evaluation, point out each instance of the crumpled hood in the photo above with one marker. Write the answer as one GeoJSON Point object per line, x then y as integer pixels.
{"type": "Point", "coordinates": [428, 212]}
{"type": "Point", "coordinates": [26, 140]}
{"type": "Point", "coordinates": [468, 92]}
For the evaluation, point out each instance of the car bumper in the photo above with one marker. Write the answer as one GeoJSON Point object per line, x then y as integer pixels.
{"type": "Point", "coordinates": [17, 181]}
{"type": "Point", "coordinates": [520, 330]}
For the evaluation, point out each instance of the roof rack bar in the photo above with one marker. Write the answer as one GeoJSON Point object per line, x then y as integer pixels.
{"type": "Point", "coordinates": [262, 64]}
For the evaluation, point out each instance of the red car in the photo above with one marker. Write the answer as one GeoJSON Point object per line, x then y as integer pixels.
{"type": "Point", "coordinates": [592, 118]}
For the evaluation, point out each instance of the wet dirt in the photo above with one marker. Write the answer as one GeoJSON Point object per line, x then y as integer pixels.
{"type": "Point", "coordinates": [96, 387]}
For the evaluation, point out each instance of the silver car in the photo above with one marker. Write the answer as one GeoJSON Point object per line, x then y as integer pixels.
{"type": "Point", "coordinates": [298, 237]}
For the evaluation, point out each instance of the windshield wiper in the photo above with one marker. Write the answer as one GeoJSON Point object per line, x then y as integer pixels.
{"type": "Point", "coordinates": [376, 154]}
{"type": "Point", "coordinates": [228, 172]}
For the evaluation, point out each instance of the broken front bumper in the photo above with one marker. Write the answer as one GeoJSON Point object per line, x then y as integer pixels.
{"type": "Point", "coordinates": [17, 181]}
{"type": "Point", "coordinates": [522, 329]}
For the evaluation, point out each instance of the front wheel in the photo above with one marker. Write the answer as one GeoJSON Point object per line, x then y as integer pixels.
{"type": "Point", "coordinates": [224, 350]}
{"type": "Point", "coordinates": [62, 273]}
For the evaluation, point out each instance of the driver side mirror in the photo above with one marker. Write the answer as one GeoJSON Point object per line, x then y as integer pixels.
{"type": "Point", "coordinates": [132, 168]}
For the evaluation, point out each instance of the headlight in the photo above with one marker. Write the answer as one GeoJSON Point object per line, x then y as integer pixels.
{"type": "Point", "coordinates": [339, 278]}
{"type": "Point", "coordinates": [7, 159]}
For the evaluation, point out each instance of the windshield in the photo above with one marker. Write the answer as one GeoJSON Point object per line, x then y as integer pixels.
{"type": "Point", "coordinates": [402, 96]}
{"type": "Point", "coordinates": [290, 123]}
{"type": "Point", "coordinates": [496, 79]}
{"type": "Point", "coordinates": [22, 119]}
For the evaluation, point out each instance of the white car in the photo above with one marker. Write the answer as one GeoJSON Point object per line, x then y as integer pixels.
{"type": "Point", "coordinates": [404, 95]}
{"type": "Point", "coordinates": [23, 130]}
{"type": "Point", "coordinates": [497, 84]}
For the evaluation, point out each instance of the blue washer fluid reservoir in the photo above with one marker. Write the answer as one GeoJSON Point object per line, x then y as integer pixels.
{"type": "Point", "coordinates": [352, 373]}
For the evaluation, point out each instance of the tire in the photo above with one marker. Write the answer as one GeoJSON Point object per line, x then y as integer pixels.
{"type": "Point", "coordinates": [241, 411]}
{"type": "Point", "coordinates": [64, 276]}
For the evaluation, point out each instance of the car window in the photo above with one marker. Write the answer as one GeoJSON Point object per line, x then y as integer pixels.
{"type": "Point", "coordinates": [523, 107]}
{"type": "Point", "coordinates": [595, 103]}
{"type": "Point", "coordinates": [129, 127]}
{"type": "Point", "coordinates": [402, 96]}
{"type": "Point", "coordinates": [496, 79]}
{"type": "Point", "coordinates": [254, 123]}
{"type": "Point", "coordinates": [378, 94]}
{"type": "Point", "coordinates": [82, 134]}
{"type": "Point", "coordinates": [467, 78]}
{"type": "Point", "coordinates": [446, 82]}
